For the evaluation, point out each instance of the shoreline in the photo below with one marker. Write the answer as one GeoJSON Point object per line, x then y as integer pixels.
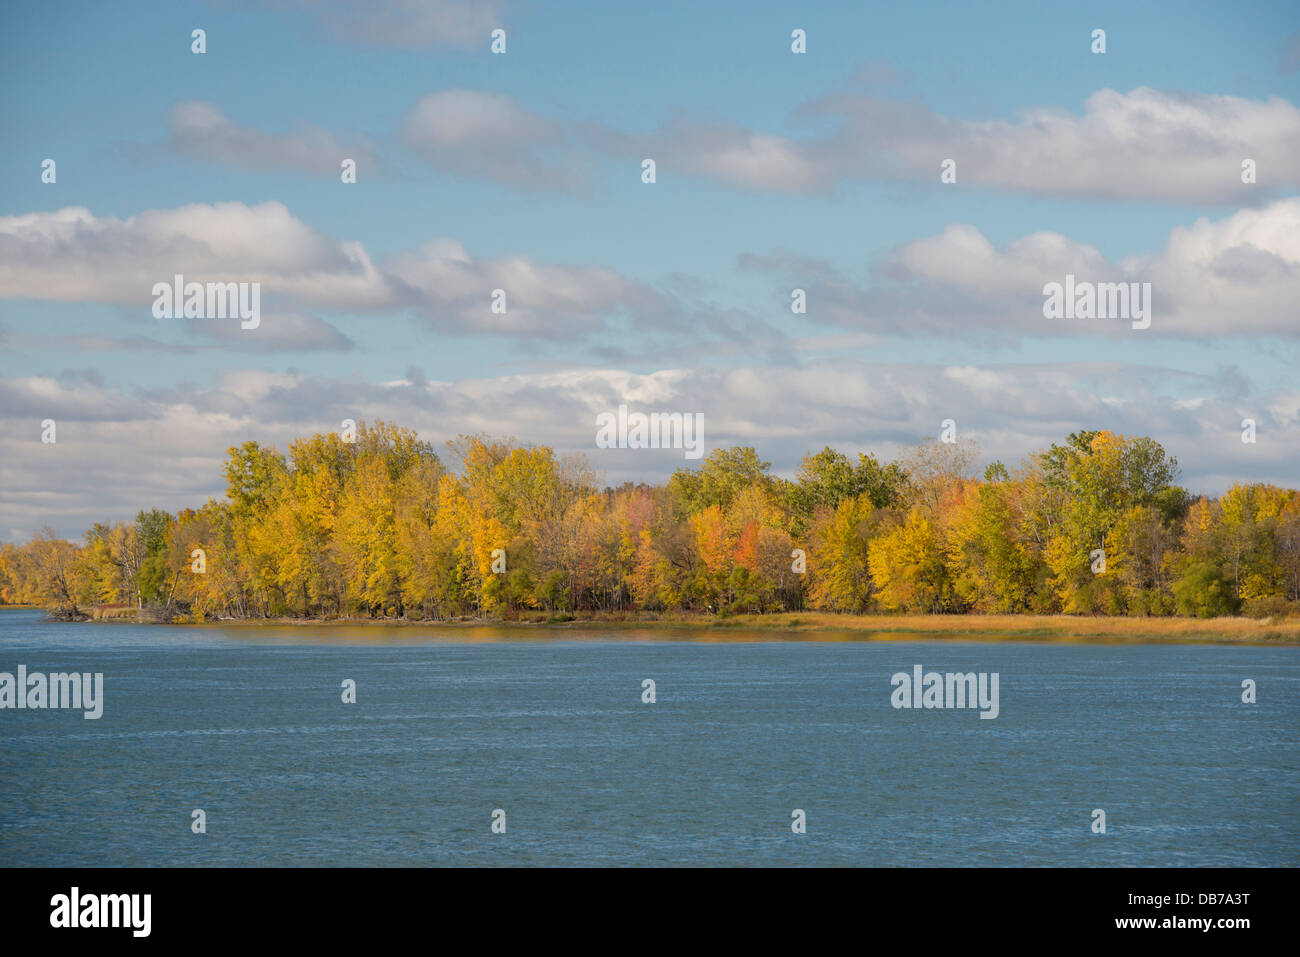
{"type": "Point", "coordinates": [1038, 628]}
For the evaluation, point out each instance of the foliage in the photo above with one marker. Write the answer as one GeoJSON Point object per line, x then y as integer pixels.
{"type": "Point", "coordinates": [382, 527]}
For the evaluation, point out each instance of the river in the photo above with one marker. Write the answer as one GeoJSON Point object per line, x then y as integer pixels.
{"type": "Point", "coordinates": [247, 723]}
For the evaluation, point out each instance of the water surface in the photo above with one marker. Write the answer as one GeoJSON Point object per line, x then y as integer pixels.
{"type": "Point", "coordinates": [247, 723]}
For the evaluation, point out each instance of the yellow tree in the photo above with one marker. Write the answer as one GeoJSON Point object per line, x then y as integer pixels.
{"type": "Point", "coordinates": [839, 559]}
{"type": "Point", "coordinates": [420, 555]}
{"type": "Point", "coordinates": [907, 567]}
{"type": "Point", "coordinates": [364, 540]}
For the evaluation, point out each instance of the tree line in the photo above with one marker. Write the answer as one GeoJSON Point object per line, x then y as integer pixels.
{"type": "Point", "coordinates": [381, 527]}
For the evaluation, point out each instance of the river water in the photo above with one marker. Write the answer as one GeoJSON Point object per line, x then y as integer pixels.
{"type": "Point", "coordinates": [247, 723]}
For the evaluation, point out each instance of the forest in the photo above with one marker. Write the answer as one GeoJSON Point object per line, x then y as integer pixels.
{"type": "Point", "coordinates": [383, 527]}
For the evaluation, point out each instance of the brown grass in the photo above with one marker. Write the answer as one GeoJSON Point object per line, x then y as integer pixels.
{"type": "Point", "coordinates": [113, 612]}
{"type": "Point", "coordinates": [812, 625]}
{"type": "Point", "coordinates": [816, 624]}
{"type": "Point", "coordinates": [1045, 627]}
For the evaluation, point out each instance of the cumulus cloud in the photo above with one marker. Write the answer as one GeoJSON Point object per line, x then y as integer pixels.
{"type": "Point", "coordinates": [725, 152]}
{"type": "Point", "coordinates": [490, 135]}
{"type": "Point", "coordinates": [470, 133]}
{"type": "Point", "coordinates": [70, 255]}
{"type": "Point", "coordinates": [1236, 275]}
{"type": "Point", "coordinates": [541, 299]}
{"type": "Point", "coordinates": [200, 129]}
{"type": "Point", "coordinates": [1142, 145]}
{"type": "Point", "coordinates": [1239, 275]}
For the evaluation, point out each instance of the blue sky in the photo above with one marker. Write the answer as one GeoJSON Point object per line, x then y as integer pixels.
{"type": "Point", "coordinates": [775, 170]}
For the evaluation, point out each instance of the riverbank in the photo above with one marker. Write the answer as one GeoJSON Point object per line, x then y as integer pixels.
{"type": "Point", "coordinates": [812, 625]}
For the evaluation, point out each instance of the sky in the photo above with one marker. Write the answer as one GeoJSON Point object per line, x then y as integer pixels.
{"type": "Point", "coordinates": [523, 171]}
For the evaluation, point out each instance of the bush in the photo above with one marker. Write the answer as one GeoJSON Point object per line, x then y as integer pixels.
{"type": "Point", "coordinates": [1269, 606]}
{"type": "Point", "coordinates": [1203, 592]}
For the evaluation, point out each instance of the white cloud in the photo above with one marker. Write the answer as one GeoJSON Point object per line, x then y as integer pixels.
{"type": "Point", "coordinates": [543, 300]}
{"type": "Point", "coordinates": [1231, 277]}
{"type": "Point", "coordinates": [490, 135]}
{"type": "Point", "coordinates": [199, 129]}
{"type": "Point", "coordinates": [70, 255]}
{"type": "Point", "coordinates": [1144, 145]}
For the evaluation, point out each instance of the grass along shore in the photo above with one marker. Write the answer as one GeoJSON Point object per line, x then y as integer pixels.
{"type": "Point", "coordinates": [1036, 627]}
{"type": "Point", "coordinates": [811, 624]}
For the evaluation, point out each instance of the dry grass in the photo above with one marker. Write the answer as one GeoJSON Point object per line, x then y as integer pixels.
{"type": "Point", "coordinates": [1064, 628]}
{"type": "Point", "coordinates": [814, 624]}
{"type": "Point", "coordinates": [1042, 627]}
{"type": "Point", "coordinates": [113, 612]}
